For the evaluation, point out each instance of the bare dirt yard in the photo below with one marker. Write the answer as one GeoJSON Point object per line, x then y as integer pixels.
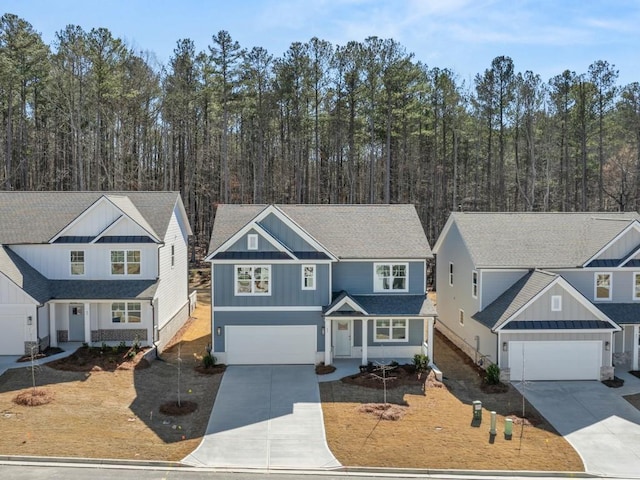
{"type": "Point", "coordinates": [112, 410]}
{"type": "Point", "coordinates": [434, 429]}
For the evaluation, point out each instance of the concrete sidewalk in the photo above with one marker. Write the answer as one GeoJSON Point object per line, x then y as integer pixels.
{"type": "Point", "coordinates": [266, 416]}
{"type": "Point", "coordinates": [11, 361]}
{"type": "Point", "coordinates": [601, 425]}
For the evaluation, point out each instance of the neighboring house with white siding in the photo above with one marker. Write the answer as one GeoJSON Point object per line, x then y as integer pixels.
{"type": "Point", "coordinates": [91, 267]}
{"type": "Point", "coordinates": [546, 296]}
{"type": "Point", "coordinates": [311, 283]}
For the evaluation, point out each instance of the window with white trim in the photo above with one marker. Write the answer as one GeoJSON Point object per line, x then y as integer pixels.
{"type": "Point", "coordinates": [391, 330]}
{"type": "Point", "coordinates": [252, 279]}
{"type": "Point", "coordinates": [451, 274]}
{"type": "Point", "coordinates": [126, 312]}
{"type": "Point", "coordinates": [308, 277]}
{"type": "Point", "coordinates": [556, 303]}
{"type": "Point", "coordinates": [252, 241]}
{"type": "Point", "coordinates": [173, 256]}
{"type": "Point", "coordinates": [474, 284]}
{"type": "Point", "coordinates": [390, 277]}
{"type": "Point", "coordinates": [76, 257]}
{"type": "Point", "coordinates": [636, 286]}
{"type": "Point", "coordinates": [602, 286]}
{"type": "Point", "coordinates": [461, 317]}
{"type": "Point", "coordinates": [125, 262]}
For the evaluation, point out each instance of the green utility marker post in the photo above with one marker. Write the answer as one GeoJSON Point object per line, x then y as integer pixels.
{"type": "Point", "coordinates": [477, 410]}
{"type": "Point", "coordinates": [508, 428]}
{"type": "Point", "coordinates": [492, 430]}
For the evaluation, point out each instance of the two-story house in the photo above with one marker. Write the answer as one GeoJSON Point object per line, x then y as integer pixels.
{"type": "Point", "coordinates": [546, 296]}
{"type": "Point", "coordinates": [91, 267]}
{"type": "Point", "coordinates": [303, 284]}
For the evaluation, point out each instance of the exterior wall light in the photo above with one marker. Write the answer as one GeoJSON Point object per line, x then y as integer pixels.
{"type": "Point", "coordinates": [505, 346]}
{"type": "Point", "coordinates": [607, 346]}
{"type": "Point", "coordinates": [322, 330]}
{"type": "Point", "coordinates": [218, 331]}
{"type": "Point", "coordinates": [29, 320]}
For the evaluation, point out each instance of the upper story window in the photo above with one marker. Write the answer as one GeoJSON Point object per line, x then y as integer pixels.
{"type": "Point", "coordinates": [450, 274]}
{"type": "Point", "coordinates": [636, 286]}
{"type": "Point", "coordinates": [253, 280]}
{"type": "Point", "coordinates": [474, 284]}
{"type": "Point", "coordinates": [392, 330]}
{"type": "Point", "coordinates": [602, 286]}
{"type": "Point", "coordinates": [126, 312]}
{"type": "Point", "coordinates": [77, 262]}
{"type": "Point", "coordinates": [125, 262]}
{"type": "Point", "coordinates": [308, 277]}
{"type": "Point", "coordinates": [252, 241]}
{"type": "Point", "coordinates": [173, 256]}
{"type": "Point", "coordinates": [390, 277]}
{"type": "Point", "coordinates": [556, 303]}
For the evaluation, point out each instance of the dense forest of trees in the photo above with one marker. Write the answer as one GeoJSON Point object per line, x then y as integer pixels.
{"type": "Point", "coordinates": [358, 123]}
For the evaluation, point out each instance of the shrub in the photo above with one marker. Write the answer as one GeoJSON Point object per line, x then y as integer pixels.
{"type": "Point", "coordinates": [209, 360]}
{"type": "Point", "coordinates": [493, 374]}
{"type": "Point", "coordinates": [421, 362]}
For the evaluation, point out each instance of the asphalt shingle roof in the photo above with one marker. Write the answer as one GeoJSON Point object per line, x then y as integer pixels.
{"type": "Point", "coordinates": [103, 289]}
{"type": "Point", "coordinates": [538, 240]}
{"type": "Point", "coordinates": [36, 217]}
{"type": "Point", "coordinates": [347, 231]}
{"type": "Point", "coordinates": [621, 313]}
{"type": "Point", "coordinates": [24, 275]}
{"type": "Point", "coordinates": [393, 305]}
{"type": "Point", "coordinates": [521, 292]}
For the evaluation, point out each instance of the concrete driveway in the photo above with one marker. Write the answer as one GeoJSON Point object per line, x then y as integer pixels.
{"type": "Point", "coordinates": [266, 416]}
{"type": "Point", "coordinates": [601, 425]}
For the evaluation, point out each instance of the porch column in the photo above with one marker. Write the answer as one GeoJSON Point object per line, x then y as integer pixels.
{"type": "Point", "coordinates": [53, 332]}
{"type": "Point", "coordinates": [87, 323]}
{"type": "Point", "coordinates": [327, 342]}
{"type": "Point", "coordinates": [636, 346]}
{"type": "Point", "coordinates": [365, 340]}
{"type": "Point", "coordinates": [430, 338]}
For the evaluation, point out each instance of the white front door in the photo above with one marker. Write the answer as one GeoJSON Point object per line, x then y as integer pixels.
{"type": "Point", "coordinates": [342, 338]}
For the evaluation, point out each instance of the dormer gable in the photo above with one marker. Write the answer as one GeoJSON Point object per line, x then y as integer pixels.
{"type": "Point", "coordinates": [623, 250]}
{"type": "Point", "coordinates": [344, 304]}
{"type": "Point", "coordinates": [113, 217]}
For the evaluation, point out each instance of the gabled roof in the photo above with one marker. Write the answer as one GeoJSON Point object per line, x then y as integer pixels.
{"type": "Point", "coordinates": [381, 305]}
{"type": "Point", "coordinates": [536, 240]}
{"type": "Point", "coordinates": [24, 275]}
{"type": "Point", "coordinates": [37, 217]}
{"type": "Point", "coordinates": [622, 313]}
{"type": "Point", "coordinates": [346, 231]}
{"type": "Point", "coordinates": [103, 289]}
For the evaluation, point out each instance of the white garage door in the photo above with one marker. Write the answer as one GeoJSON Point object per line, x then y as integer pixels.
{"type": "Point", "coordinates": [251, 345]}
{"type": "Point", "coordinates": [11, 334]}
{"type": "Point", "coordinates": [576, 360]}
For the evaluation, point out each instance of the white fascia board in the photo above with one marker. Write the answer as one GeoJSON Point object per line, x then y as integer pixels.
{"type": "Point", "coordinates": [346, 301]}
{"type": "Point", "coordinates": [78, 218]}
{"type": "Point", "coordinates": [183, 214]}
{"type": "Point", "coordinates": [266, 261]}
{"type": "Point", "coordinates": [632, 224]}
{"type": "Point", "coordinates": [273, 209]}
{"type": "Point", "coordinates": [443, 234]}
{"type": "Point", "coordinates": [149, 230]}
{"type": "Point", "coordinates": [629, 258]}
{"type": "Point", "coordinates": [269, 309]}
{"type": "Point", "coordinates": [559, 330]}
{"type": "Point", "coordinates": [107, 228]}
{"type": "Point", "coordinates": [252, 225]}
{"type": "Point", "coordinates": [22, 289]}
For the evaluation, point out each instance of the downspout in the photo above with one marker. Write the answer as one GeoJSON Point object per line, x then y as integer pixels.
{"type": "Point", "coordinates": [153, 327]}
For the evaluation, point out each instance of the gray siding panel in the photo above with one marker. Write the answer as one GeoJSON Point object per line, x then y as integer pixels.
{"type": "Point", "coordinates": [572, 309]}
{"type": "Point", "coordinates": [416, 335]}
{"type": "Point", "coordinates": [357, 278]}
{"type": "Point", "coordinates": [584, 280]}
{"type": "Point", "coordinates": [241, 244]}
{"type": "Point", "coordinates": [495, 283]}
{"type": "Point", "coordinates": [222, 319]}
{"type": "Point", "coordinates": [286, 287]}
{"type": "Point", "coordinates": [623, 246]}
{"type": "Point", "coordinates": [357, 333]}
{"type": "Point", "coordinates": [287, 236]}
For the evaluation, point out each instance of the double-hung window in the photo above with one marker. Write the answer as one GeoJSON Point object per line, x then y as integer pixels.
{"type": "Point", "coordinates": [474, 284]}
{"type": "Point", "coordinates": [76, 258]}
{"type": "Point", "coordinates": [126, 312]}
{"type": "Point", "coordinates": [392, 330]}
{"type": "Point", "coordinates": [636, 286]}
{"type": "Point", "coordinates": [602, 286]}
{"type": "Point", "coordinates": [390, 277]}
{"type": "Point", "coordinates": [125, 262]}
{"type": "Point", "coordinates": [253, 280]}
{"type": "Point", "coordinates": [308, 277]}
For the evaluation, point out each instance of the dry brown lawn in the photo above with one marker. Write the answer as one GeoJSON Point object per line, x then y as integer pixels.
{"type": "Point", "coordinates": [113, 414]}
{"type": "Point", "coordinates": [436, 430]}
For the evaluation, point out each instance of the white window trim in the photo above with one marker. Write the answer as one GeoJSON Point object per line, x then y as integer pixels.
{"type": "Point", "coordinates": [302, 270]}
{"type": "Point", "coordinates": [126, 313]}
{"type": "Point", "coordinates": [391, 265]}
{"type": "Point", "coordinates": [390, 339]}
{"type": "Point", "coordinates": [595, 287]}
{"type": "Point", "coordinates": [252, 241]}
{"type": "Point", "coordinates": [84, 264]}
{"type": "Point", "coordinates": [474, 283]}
{"type": "Point", "coordinates": [125, 273]}
{"type": "Point", "coordinates": [556, 303]}
{"type": "Point", "coordinates": [450, 274]}
{"type": "Point", "coordinates": [252, 293]}
{"type": "Point", "coordinates": [461, 317]}
{"type": "Point", "coordinates": [633, 287]}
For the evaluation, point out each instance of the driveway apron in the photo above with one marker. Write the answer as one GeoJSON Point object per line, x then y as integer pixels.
{"type": "Point", "coordinates": [266, 416]}
{"type": "Point", "coordinates": [601, 425]}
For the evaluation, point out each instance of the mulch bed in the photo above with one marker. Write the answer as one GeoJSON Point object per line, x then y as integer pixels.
{"type": "Point", "coordinates": [615, 382]}
{"type": "Point", "coordinates": [107, 359]}
{"type": "Point", "coordinates": [384, 411]}
{"type": "Point", "coordinates": [323, 369]}
{"type": "Point", "coordinates": [33, 397]}
{"type": "Point", "coordinates": [47, 352]}
{"type": "Point", "coordinates": [172, 408]}
{"type": "Point", "coordinates": [216, 369]}
{"type": "Point", "coordinates": [402, 375]}
{"type": "Point", "coordinates": [635, 373]}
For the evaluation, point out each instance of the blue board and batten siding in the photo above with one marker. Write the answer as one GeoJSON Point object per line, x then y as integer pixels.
{"type": "Point", "coordinates": [286, 287]}
{"type": "Point", "coordinates": [357, 278]}
{"type": "Point", "coordinates": [285, 234]}
{"type": "Point", "coordinates": [240, 245]}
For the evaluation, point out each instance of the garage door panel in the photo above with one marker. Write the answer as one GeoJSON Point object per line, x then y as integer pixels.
{"type": "Point", "coordinates": [561, 360]}
{"type": "Point", "coordinates": [12, 336]}
{"type": "Point", "coordinates": [276, 344]}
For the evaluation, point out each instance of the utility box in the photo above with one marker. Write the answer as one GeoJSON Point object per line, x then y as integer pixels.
{"type": "Point", "coordinates": [477, 410]}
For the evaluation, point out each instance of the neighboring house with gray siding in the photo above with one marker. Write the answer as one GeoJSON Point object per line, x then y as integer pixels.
{"type": "Point", "coordinates": [546, 296]}
{"type": "Point", "coordinates": [301, 284]}
{"type": "Point", "coordinates": [91, 267]}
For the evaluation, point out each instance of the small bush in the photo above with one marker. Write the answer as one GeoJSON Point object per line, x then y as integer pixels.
{"type": "Point", "coordinates": [421, 362]}
{"type": "Point", "coordinates": [493, 375]}
{"type": "Point", "coordinates": [209, 361]}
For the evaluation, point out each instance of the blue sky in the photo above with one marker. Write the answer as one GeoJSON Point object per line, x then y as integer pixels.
{"type": "Point", "coordinates": [545, 36]}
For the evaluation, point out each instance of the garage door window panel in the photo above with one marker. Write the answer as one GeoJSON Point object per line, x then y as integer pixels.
{"type": "Point", "coordinates": [253, 280]}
